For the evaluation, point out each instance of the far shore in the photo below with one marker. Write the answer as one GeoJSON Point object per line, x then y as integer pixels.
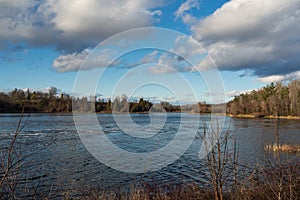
{"type": "Point", "coordinates": [246, 116]}
{"type": "Point", "coordinates": [252, 116]}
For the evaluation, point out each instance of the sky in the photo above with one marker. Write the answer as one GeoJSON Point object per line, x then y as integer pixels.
{"type": "Point", "coordinates": [251, 42]}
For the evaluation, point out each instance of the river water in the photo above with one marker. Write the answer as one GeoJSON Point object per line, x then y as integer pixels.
{"type": "Point", "coordinates": [60, 161]}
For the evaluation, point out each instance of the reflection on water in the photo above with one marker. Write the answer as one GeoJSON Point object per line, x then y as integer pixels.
{"type": "Point", "coordinates": [66, 163]}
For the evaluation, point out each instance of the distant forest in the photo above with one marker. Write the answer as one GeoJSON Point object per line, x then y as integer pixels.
{"type": "Point", "coordinates": [52, 102]}
{"type": "Point", "coordinates": [276, 99]}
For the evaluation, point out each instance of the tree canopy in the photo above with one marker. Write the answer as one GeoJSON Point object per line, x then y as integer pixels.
{"type": "Point", "coordinates": [274, 99]}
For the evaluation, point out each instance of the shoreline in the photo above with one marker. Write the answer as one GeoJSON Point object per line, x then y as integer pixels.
{"type": "Point", "coordinates": [251, 116]}
{"type": "Point", "coordinates": [239, 116]}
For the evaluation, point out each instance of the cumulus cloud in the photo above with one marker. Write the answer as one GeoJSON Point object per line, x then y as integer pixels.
{"type": "Point", "coordinates": [71, 25]}
{"type": "Point", "coordinates": [95, 20]}
{"type": "Point", "coordinates": [74, 61]}
{"type": "Point", "coordinates": [257, 35]}
{"type": "Point", "coordinates": [69, 62]}
{"type": "Point", "coordinates": [280, 78]}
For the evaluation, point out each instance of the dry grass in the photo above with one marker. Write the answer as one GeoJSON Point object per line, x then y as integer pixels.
{"type": "Point", "coordinates": [262, 185]}
{"type": "Point", "coordinates": [283, 148]}
{"type": "Point", "coordinates": [172, 192]}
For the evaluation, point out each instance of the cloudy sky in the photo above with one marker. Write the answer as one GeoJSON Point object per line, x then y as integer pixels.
{"type": "Point", "coordinates": [252, 42]}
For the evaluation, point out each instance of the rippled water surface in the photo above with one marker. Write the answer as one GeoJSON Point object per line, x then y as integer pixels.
{"type": "Point", "coordinates": [60, 160]}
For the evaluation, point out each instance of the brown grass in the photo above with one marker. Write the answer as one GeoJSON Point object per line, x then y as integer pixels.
{"type": "Point", "coordinates": [283, 148]}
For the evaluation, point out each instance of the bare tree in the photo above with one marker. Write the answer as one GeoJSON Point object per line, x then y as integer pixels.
{"type": "Point", "coordinates": [221, 158]}
{"type": "Point", "coordinates": [11, 162]}
{"type": "Point", "coordinates": [14, 165]}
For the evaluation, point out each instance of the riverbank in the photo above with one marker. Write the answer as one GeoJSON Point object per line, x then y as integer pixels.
{"type": "Point", "coordinates": [252, 116]}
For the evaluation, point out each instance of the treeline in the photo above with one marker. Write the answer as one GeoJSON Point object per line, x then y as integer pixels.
{"type": "Point", "coordinates": [53, 102]}
{"type": "Point", "coordinates": [36, 101]}
{"type": "Point", "coordinates": [274, 99]}
{"type": "Point", "coordinates": [119, 105]}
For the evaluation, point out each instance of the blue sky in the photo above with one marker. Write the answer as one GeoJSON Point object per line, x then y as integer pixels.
{"type": "Point", "coordinates": [43, 43]}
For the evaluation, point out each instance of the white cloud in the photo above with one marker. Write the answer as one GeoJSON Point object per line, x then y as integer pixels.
{"type": "Point", "coordinates": [184, 8]}
{"type": "Point", "coordinates": [161, 69]}
{"type": "Point", "coordinates": [189, 19]}
{"type": "Point", "coordinates": [270, 79]}
{"type": "Point", "coordinates": [43, 90]}
{"type": "Point", "coordinates": [234, 93]}
{"type": "Point", "coordinates": [150, 58]}
{"type": "Point", "coordinates": [73, 61]}
{"type": "Point", "coordinates": [280, 78]}
{"type": "Point", "coordinates": [69, 62]}
{"type": "Point", "coordinates": [71, 25]}
{"type": "Point", "coordinates": [187, 47]}
{"type": "Point", "coordinates": [170, 99]}
{"type": "Point", "coordinates": [257, 35]}
{"type": "Point", "coordinates": [94, 18]}
{"type": "Point", "coordinates": [185, 53]}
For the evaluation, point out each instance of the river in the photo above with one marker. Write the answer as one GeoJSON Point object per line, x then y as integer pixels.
{"type": "Point", "coordinates": [60, 160]}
